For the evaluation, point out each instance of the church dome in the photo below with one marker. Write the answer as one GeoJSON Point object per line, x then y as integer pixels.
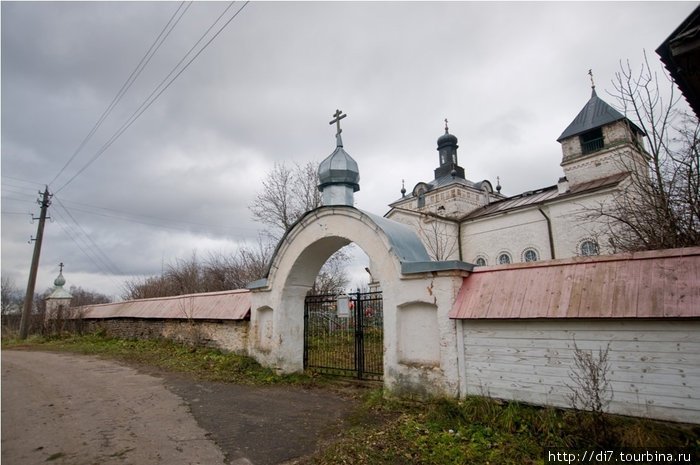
{"type": "Point", "coordinates": [446, 139]}
{"type": "Point", "coordinates": [59, 281]}
{"type": "Point", "coordinates": [339, 168]}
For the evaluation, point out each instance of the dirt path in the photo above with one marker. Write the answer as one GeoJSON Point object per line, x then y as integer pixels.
{"type": "Point", "coordinates": [71, 409]}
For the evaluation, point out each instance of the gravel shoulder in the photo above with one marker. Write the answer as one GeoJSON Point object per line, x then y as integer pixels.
{"type": "Point", "coordinates": [75, 409]}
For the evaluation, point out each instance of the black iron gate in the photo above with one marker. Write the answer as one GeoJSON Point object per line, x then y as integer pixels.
{"type": "Point", "coordinates": [343, 335]}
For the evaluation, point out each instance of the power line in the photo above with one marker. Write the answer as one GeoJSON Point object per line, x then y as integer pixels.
{"type": "Point", "coordinates": [33, 183]}
{"type": "Point", "coordinates": [144, 219]}
{"type": "Point", "coordinates": [102, 257]}
{"type": "Point", "coordinates": [158, 91]}
{"type": "Point", "coordinates": [164, 33]}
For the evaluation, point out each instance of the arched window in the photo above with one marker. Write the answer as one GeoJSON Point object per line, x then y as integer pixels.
{"type": "Point", "coordinates": [589, 248]}
{"type": "Point", "coordinates": [530, 255]}
{"type": "Point", "coordinates": [480, 261]}
{"type": "Point", "coordinates": [504, 259]}
{"type": "Point", "coordinates": [421, 200]}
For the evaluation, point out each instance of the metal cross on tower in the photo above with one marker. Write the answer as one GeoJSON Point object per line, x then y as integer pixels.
{"type": "Point", "coordinates": [338, 115]}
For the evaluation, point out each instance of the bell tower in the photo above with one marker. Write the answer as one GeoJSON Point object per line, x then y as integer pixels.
{"type": "Point", "coordinates": [600, 142]}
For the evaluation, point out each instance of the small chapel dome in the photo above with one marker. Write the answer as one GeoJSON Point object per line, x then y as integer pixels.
{"type": "Point", "coordinates": [60, 280]}
{"type": "Point", "coordinates": [59, 293]}
{"type": "Point", "coordinates": [339, 168]}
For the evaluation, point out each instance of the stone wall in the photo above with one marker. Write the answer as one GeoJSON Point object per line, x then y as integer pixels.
{"type": "Point", "coordinates": [228, 335]}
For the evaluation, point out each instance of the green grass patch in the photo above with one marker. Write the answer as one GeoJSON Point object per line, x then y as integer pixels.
{"type": "Point", "coordinates": [204, 363]}
{"type": "Point", "coordinates": [485, 431]}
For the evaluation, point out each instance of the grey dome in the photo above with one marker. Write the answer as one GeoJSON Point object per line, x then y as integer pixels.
{"type": "Point", "coordinates": [59, 281]}
{"type": "Point", "coordinates": [339, 168]}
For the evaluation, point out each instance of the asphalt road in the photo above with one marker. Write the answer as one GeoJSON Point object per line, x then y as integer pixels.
{"type": "Point", "coordinates": [79, 410]}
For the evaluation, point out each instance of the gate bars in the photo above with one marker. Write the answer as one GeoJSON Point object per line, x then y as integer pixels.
{"type": "Point", "coordinates": [350, 345]}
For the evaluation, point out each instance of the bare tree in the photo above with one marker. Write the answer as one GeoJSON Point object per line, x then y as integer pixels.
{"type": "Point", "coordinates": [287, 194]}
{"type": "Point", "coordinates": [12, 303]}
{"type": "Point", "coordinates": [591, 389]}
{"type": "Point", "coordinates": [85, 297]}
{"type": "Point", "coordinates": [441, 244]}
{"type": "Point", "coordinates": [661, 206]}
{"type": "Point", "coordinates": [332, 278]}
{"type": "Point", "coordinates": [220, 272]}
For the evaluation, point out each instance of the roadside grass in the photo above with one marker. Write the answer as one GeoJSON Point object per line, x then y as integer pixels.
{"type": "Point", "coordinates": [387, 430]}
{"type": "Point", "coordinates": [203, 363]}
{"type": "Point", "coordinates": [479, 430]}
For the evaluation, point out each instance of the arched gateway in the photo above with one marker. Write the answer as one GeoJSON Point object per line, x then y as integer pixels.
{"type": "Point", "coordinates": [419, 338]}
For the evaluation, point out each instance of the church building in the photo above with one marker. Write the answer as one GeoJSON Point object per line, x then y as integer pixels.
{"type": "Point", "coordinates": [460, 219]}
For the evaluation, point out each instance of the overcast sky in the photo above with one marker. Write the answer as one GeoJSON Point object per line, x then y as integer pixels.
{"type": "Point", "coordinates": [509, 77]}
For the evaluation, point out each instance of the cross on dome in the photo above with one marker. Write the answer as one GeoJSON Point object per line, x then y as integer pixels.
{"type": "Point", "coordinates": [338, 115]}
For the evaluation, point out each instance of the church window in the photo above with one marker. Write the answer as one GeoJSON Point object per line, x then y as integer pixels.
{"type": "Point", "coordinates": [530, 255]}
{"type": "Point", "coordinates": [589, 248]}
{"type": "Point", "coordinates": [591, 141]}
{"type": "Point", "coordinates": [504, 259]}
{"type": "Point", "coordinates": [480, 261]}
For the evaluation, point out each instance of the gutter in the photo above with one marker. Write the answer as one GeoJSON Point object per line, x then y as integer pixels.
{"type": "Point", "coordinates": [549, 232]}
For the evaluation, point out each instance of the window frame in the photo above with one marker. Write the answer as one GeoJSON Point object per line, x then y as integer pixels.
{"type": "Point", "coordinates": [508, 257]}
{"type": "Point", "coordinates": [532, 250]}
{"type": "Point", "coordinates": [584, 243]}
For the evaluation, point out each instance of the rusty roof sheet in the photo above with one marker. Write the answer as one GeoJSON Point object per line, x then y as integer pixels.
{"type": "Point", "coordinates": [543, 195]}
{"type": "Point", "coordinates": [654, 284]}
{"type": "Point", "coordinates": [225, 305]}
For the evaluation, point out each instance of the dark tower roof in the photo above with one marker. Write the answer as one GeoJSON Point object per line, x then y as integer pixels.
{"type": "Point", "coordinates": [447, 148]}
{"type": "Point", "coordinates": [595, 113]}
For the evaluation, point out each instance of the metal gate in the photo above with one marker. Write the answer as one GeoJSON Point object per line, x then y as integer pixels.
{"type": "Point", "coordinates": [343, 335]}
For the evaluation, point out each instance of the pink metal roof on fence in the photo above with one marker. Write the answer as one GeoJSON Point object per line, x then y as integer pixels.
{"type": "Point", "coordinates": [225, 305]}
{"type": "Point", "coordinates": [655, 284]}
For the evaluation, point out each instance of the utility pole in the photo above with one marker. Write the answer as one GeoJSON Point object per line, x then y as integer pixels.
{"type": "Point", "coordinates": [29, 298]}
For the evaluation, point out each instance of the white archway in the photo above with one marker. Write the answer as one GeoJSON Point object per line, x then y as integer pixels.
{"type": "Point", "coordinates": [398, 260]}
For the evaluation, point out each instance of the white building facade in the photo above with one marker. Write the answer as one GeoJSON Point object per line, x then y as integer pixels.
{"type": "Point", "coordinates": [458, 219]}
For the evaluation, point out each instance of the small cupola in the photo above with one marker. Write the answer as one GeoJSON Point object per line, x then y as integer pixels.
{"type": "Point", "coordinates": [338, 174]}
{"type": "Point", "coordinates": [59, 297]}
{"type": "Point", "coordinates": [447, 150]}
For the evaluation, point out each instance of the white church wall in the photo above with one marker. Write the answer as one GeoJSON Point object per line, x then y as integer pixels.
{"type": "Point", "coordinates": [654, 364]}
{"type": "Point", "coordinates": [572, 224]}
{"type": "Point", "coordinates": [422, 360]}
{"type": "Point", "coordinates": [511, 233]}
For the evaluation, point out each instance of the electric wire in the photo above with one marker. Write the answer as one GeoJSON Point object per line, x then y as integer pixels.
{"type": "Point", "coordinates": [12, 178]}
{"type": "Point", "coordinates": [71, 235]}
{"type": "Point", "coordinates": [165, 223]}
{"type": "Point", "coordinates": [102, 257]}
{"type": "Point", "coordinates": [159, 89]}
{"type": "Point", "coordinates": [164, 33]}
